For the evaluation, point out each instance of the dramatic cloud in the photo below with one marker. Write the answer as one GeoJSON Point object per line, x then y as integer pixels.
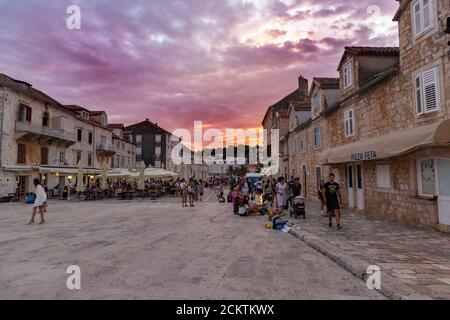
{"type": "Point", "coordinates": [223, 61]}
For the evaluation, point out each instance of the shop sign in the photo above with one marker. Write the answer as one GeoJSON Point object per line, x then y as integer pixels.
{"type": "Point", "coordinates": [362, 156]}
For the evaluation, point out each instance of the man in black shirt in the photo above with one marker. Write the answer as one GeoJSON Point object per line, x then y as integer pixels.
{"type": "Point", "coordinates": [333, 198]}
{"type": "Point", "coordinates": [295, 187]}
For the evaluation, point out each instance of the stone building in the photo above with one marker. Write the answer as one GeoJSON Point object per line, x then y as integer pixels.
{"type": "Point", "coordinates": [269, 121]}
{"type": "Point", "coordinates": [125, 150]}
{"type": "Point", "coordinates": [385, 131]}
{"type": "Point", "coordinates": [153, 144]}
{"type": "Point", "coordinates": [41, 138]}
{"type": "Point", "coordinates": [34, 130]}
{"type": "Point", "coordinates": [308, 135]}
{"type": "Point", "coordinates": [94, 145]}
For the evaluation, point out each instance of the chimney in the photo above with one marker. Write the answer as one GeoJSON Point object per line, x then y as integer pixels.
{"type": "Point", "coordinates": [303, 85]}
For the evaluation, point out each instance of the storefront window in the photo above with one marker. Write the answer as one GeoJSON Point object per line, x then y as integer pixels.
{"type": "Point", "coordinates": [427, 178]}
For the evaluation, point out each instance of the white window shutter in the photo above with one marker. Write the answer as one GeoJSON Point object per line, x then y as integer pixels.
{"type": "Point", "coordinates": [431, 90]}
{"type": "Point", "coordinates": [418, 91]}
{"type": "Point", "coordinates": [348, 75]}
{"type": "Point", "coordinates": [351, 122]}
{"type": "Point", "coordinates": [427, 14]}
{"type": "Point", "coordinates": [417, 18]}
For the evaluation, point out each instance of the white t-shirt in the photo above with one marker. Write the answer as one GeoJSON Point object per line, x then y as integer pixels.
{"type": "Point", "coordinates": [243, 210]}
{"type": "Point", "coordinates": [183, 185]}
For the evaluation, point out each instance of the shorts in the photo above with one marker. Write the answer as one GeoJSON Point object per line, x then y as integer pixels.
{"type": "Point", "coordinates": [320, 196]}
{"type": "Point", "coordinates": [333, 205]}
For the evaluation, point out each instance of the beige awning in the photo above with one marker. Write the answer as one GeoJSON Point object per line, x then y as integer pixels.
{"type": "Point", "coordinates": [389, 145]}
{"type": "Point", "coordinates": [67, 170]}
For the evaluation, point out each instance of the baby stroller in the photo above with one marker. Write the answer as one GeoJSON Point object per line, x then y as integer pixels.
{"type": "Point", "coordinates": [298, 207]}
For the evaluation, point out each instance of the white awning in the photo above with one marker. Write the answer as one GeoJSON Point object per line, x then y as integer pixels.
{"type": "Point", "coordinates": [66, 170]}
{"type": "Point", "coordinates": [389, 145]}
{"type": "Point", "coordinates": [19, 169]}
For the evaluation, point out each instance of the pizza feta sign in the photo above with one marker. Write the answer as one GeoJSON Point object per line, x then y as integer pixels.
{"type": "Point", "coordinates": [362, 156]}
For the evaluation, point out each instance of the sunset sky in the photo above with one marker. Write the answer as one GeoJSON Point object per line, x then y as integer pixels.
{"type": "Point", "coordinates": [219, 61]}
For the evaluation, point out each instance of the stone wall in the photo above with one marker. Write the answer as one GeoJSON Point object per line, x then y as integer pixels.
{"type": "Point", "coordinates": [428, 50]}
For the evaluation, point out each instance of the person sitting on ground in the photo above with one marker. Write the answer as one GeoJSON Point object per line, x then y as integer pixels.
{"type": "Point", "coordinates": [221, 197]}
{"type": "Point", "coordinates": [245, 209]}
{"type": "Point", "coordinates": [254, 206]}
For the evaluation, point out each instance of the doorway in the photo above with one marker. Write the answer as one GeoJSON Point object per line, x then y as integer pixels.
{"type": "Point", "coordinates": [359, 187]}
{"type": "Point", "coordinates": [351, 202]}
{"type": "Point", "coordinates": [305, 192]}
{"type": "Point", "coordinates": [443, 175]}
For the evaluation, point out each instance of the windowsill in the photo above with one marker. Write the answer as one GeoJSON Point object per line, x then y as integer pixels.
{"type": "Point", "coordinates": [423, 35]}
{"type": "Point", "coordinates": [426, 198]}
{"type": "Point", "coordinates": [428, 114]}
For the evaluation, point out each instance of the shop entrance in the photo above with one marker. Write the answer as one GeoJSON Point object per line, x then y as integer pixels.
{"type": "Point", "coordinates": [359, 187]}
{"type": "Point", "coordinates": [351, 202]}
{"type": "Point", "coordinates": [443, 173]}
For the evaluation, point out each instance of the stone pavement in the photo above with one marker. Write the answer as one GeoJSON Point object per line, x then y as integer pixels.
{"type": "Point", "coordinates": [144, 249]}
{"type": "Point", "coordinates": [414, 262]}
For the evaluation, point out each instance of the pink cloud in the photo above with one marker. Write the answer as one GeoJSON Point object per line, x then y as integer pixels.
{"type": "Point", "coordinates": [176, 61]}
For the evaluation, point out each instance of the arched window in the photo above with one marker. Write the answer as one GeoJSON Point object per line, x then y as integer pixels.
{"type": "Point", "coordinates": [46, 119]}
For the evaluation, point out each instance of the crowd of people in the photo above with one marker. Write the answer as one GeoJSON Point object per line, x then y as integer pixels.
{"type": "Point", "coordinates": [262, 196]}
{"type": "Point", "coordinates": [248, 196]}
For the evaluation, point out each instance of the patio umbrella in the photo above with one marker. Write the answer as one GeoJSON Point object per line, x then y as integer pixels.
{"type": "Point", "coordinates": [141, 182]}
{"type": "Point", "coordinates": [103, 183]}
{"type": "Point", "coordinates": [80, 185]}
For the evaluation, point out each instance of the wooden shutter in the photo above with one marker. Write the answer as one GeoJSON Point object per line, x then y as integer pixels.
{"type": "Point", "coordinates": [430, 90]}
{"type": "Point", "coordinates": [418, 92]}
{"type": "Point", "coordinates": [417, 18]}
{"type": "Point", "coordinates": [28, 114]}
{"type": "Point", "coordinates": [44, 155]}
{"type": "Point", "coordinates": [21, 153]}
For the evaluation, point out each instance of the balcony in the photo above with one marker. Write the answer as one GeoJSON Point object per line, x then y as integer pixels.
{"type": "Point", "coordinates": [30, 132]}
{"type": "Point", "coordinates": [103, 150]}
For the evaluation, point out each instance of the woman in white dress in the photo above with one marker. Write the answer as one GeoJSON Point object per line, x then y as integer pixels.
{"type": "Point", "coordinates": [40, 202]}
{"type": "Point", "coordinates": [281, 189]}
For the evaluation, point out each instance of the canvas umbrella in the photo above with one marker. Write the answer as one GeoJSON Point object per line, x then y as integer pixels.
{"type": "Point", "coordinates": [103, 183]}
{"type": "Point", "coordinates": [141, 182]}
{"type": "Point", "coordinates": [80, 185]}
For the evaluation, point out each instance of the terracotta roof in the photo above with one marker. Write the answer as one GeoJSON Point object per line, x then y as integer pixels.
{"type": "Point", "coordinates": [327, 83]}
{"type": "Point", "coordinates": [116, 125]}
{"type": "Point", "coordinates": [28, 89]}
{"type": "Point", "coordinates": [383, 51]}
{"type": "Point", "coordinates": [369, 51]}
{"type": "Point", "coordinates": [376, 80]}
{"type": "Point", "coordinates": [301, 105]}
{"type": "Point", "coordinates": [146, 123]}
{"type": "Point", "coordinates": [74, 107]}
{"type": "Point", "coordinates": [284, 103]}
{"type": "Point", "coordinates": [96, 113]}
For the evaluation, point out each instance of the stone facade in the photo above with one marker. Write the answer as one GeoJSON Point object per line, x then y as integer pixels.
{"type": "Point", "coordinates": [378, 97]}
{"type": "Point", "coordinates": [125, 151]}
{"type": "Point", "coordinates": [41, 138]}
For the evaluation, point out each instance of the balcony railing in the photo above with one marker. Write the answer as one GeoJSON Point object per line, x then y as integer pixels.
{"type": "Point", "coordinates": [40, 130]}
{"type": "Point", "coordinates": [105, 150]}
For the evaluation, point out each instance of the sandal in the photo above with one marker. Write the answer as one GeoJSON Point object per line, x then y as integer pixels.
{"type": "Point", "coordinates": [42, 222]}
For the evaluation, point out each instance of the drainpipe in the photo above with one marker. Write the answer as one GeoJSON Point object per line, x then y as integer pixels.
{"type": "Point", "coordinates": [2, 117]}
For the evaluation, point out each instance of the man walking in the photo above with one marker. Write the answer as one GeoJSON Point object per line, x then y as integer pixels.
{"type": "Point", "coordinates": [333, 199]}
